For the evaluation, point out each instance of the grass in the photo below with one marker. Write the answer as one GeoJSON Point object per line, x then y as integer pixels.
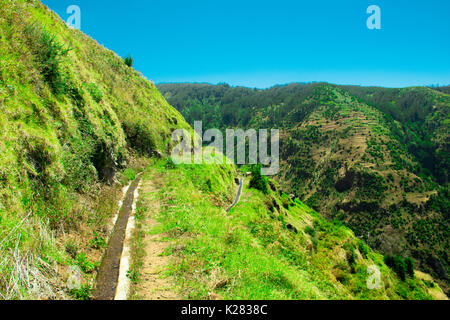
{"type": "Point", "coordinates": [137, 248]}
{"type": "Point", "coordinates": [60, 141]}
{"type": "Point", "coordinates": [69, 118]}
{"type": "Point", "coordinates": [249, 253]}
{"type": "Point", "coordinates": [82, 293]}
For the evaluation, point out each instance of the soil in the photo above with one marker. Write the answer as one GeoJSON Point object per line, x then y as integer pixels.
{"type": "Point", "coordinates": [154, 284]}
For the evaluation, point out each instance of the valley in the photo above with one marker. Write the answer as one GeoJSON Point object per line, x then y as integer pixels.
{"type": "Point", "coordinates": [350, 154]}
{"type": "Point", "coordinates": [358, 211]}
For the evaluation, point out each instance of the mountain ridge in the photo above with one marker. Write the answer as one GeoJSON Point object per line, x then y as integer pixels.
{"type": "Point", "coordinates": [350, 155]}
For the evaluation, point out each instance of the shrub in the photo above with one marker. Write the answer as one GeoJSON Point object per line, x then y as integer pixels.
{"type": "Point", "coordinates": [140, 137]}
{"type": "Point", "coordinates": [169, 164]}
{"type": "Point", "coordinates": [71, 249]}
{"type": "Point", "coordinates": [85, 264]}
{"type": "Point", "coordinates": [82, 293]}
{"type": "Point", "coordinates": [130, 174]}
{"type": "Point", "coordinates": [410, 267]}
{"type": "Point", "coordinates": [80, 174]}
{"type": "Point", "coordinates": [350, 254]}
{"type": "Point", "coordinates": [258, 181]}
{"type": "Point", "coordinates": [97, 242]}
{"type": "Point", "coordinates": [363, 249]}
{"type": "Point", "coordinates": [134, 276]}
{"type": "Point", "coordinates": [398, 265]}
{"type": "Point", "coordinates": [49, 55]}
{"type": "Point", "coordinates": [311, 231]}
{"type": "Point", "coordinates": [140, 213]}
{"type": "Point", "coordinates": [128, 61]}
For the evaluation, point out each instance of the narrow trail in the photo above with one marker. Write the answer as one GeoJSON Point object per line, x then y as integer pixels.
{"type": "Point", "coordinates": [108, 273]}
{"type": "Point", "coordinates": [154, 285]}
{"type": "Point", "coordinates": [238, 195]}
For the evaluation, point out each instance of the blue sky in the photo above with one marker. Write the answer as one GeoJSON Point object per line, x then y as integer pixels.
{"type": "Point", "coordinates": [262, 43]}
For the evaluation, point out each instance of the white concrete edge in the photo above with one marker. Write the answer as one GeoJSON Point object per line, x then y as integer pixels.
{"type": "Point", "coordinates": [123, 283]}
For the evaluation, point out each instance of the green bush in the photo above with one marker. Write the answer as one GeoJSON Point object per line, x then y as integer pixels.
{"type": "Point", "coordinates": [134, 276]}
{"type": "Point", "coordinates": [128, 61]}
{"type": "Point", "coordinates": [169, 164]}
{"type": "Point", "coordinates": [257, 180]}
{"type": "Point", "coordinates": [85, 265]}
{"type": "Point", "coordinates": [82, 293]}
{"type": "Point", "coordinates": [49, 55]}
{"type": "Point", "coordinates": [311, 231]}
{"type": "Point", "coordinates": [410, 267]}
{"type": "Point", "coordinates": [363, 249]}
{"type": "Point", "coordinates": [140, 137]}
{"type": "Point", "coordinates": [399, 266]}
{"type": "Point", "coordinates": [97, 242]}
{"type": "Point", "coordinates": [130, 174]}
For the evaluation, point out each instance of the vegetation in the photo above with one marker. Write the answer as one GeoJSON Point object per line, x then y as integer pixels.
{"type": "Point", "coordinates": [258, 181]}
{"type": "Point", "coordinates": [402, 267]}
{"type": "Point", "coordinates": [70, 112]}
{"type": "Point", "coordinates": [128, 61]}
{"type": "Point", "coordinates": [49, 55]}
{"type": "Point", "coordinates": [83, 293]}
{"type": "Point", "coordinates": [78, 123]}
{"type": "Point", "coordinates": [260, 249]}
{"type": "Point", "coordinates": [376, 159]}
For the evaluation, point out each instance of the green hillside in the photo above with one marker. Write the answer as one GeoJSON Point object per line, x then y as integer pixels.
{"type": "Point", "coordinates": [71, 115]}
{"type": "Point", "coordinates": [376, 159]}
{"type": "Point", "coordinates": [78, 123]}
{"type": "Point", "coordinates": [267, 247]}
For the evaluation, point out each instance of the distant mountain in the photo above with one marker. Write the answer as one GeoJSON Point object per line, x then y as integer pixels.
{"type": "Point", "coordinates": [445, 89]}
{"type": "Point", "coordinates": [376, 159]}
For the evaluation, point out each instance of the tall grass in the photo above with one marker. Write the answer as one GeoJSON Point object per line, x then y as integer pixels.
{"type": "Point", "coordinates": [49, 55]}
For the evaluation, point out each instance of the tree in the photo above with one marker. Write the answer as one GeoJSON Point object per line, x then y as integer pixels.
{"type": "Point", "coordinates": [258, 181]}
{"type": "Point", "coordinates": [129, 61]}
{"type": "Point", "coordinates": [410, 267]}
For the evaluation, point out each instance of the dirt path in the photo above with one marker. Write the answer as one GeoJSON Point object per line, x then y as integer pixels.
{"type": "Point", "coordinates": [154, 285]}
{"type": "Point", "coordinates": [108, 273]}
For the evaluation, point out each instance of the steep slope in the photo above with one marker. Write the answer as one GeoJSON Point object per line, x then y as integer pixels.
{"type": "Point", "coordinates": [77, 121]}
{"type": "Point", "coordinates": [71, 115]}
{"type": "Point", "coordinates": [424, 115]}
{"type": "Point", "coordinates": [267, 247]}
{"type": "Point", "coordinates": [354, 169]}
{"type": "Point", "coordinates": [379, 168]}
